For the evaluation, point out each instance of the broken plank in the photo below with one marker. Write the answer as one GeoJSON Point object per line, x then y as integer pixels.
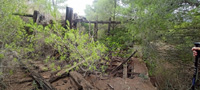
{"type": "Point", "coordinates": [41, 81]}
{"type": "Point", "coordinates": [64, 72]}
{"type": "Point", "coordinates": [80, 81]}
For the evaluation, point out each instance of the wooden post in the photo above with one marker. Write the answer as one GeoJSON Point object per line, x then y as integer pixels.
{"type": "Point", "coordinates": [109, 24]}
{"type": "Point", "coordinates": [69, 14]}
{"type": "Point", "coordinates": [35, 15]}
{"type": "Point", "coordinates": [132, 71]}
{"type": "Point", "coordinates": [89, 33]}
{"type": "Point", "coordinates": [125, 70]}
{"type": "Point", "coordinates": [95, 31]}
{"type": "Point", "coordinates": [75, 17]}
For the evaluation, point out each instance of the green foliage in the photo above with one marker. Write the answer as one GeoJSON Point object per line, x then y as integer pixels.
{"type": "Point", "coordinates": [72, 45]}
{"type": "Point", "coordinates": [1, 56]}
{"type": "Point", "coordinates": [34, 84]}
{"type": "Point", "coordinates": [11, 72]}
{"type": "Point", "coordinates": [119, 40]}
{"type": "Point", "coordinates": [1, 73]}
{"type": "Point", "coordinates": [8, 25]}
{"type": "Point", "coordinates": [152, 23]}
{"type": "Point", "coordinates": [36, 41]}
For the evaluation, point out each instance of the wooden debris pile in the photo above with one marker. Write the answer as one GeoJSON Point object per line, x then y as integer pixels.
{"type": "Point", "coordinates": [46, 78]}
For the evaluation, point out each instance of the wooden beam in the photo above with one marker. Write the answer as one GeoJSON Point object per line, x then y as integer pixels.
{"type": "Point", "coordinates": [64, 72]}
{"type": "Point", "coordinates": [99, 22]}
{"type": "Point", "coordinates": [25, 15]}
{"type": "Point", "coordinates": [80, 81]}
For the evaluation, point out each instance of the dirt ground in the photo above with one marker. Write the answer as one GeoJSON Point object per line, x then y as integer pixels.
{"type": "Point", "coordinates": [139, 80]}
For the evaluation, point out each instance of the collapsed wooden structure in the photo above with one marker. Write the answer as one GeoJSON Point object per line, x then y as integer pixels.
{"type": "Point", "coordinates": [82, 84]}
{"type": "Point", "coordinates": [46, 84]}
{"type": "Point", "coordinates": [72, 18]}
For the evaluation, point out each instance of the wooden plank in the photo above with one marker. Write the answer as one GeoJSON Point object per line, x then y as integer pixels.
{"type": "Point", "coordinates": [41, 81]}
{"type": "Point", "coordinates": [80, 81]}
{"type": "Point", "coordinates": [64, 72]}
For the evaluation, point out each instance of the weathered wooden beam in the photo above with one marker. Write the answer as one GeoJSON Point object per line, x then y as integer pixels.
{"type": "Point", "coordinates": [41, 81]}
{"type": "Point", "coordinates": [25, 15]}
{"type": "Point", "coordinates": [64, 72]}
{"type": "Point", "coordinates": [99, 22]}
{"type": "Point", "coordinates": [80, 81]}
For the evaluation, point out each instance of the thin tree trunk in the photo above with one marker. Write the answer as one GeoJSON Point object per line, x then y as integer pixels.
{"type": "Point", "coordinates": [89, 30]}
{"type": "Point", "coordinates": [115, 6]}
{"type": "Point", "coordinates": [53, 2]}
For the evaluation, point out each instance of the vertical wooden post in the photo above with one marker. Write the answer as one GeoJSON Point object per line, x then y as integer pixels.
{"type": "Point", "coordinates": [69, 14]}
{"type": "Point", "coordinates": [35, 16]}
{"type": "Point", "coordinates": [132, 71]}
{"type": "Point", "coordinates": [109, 24]}
{"type": "Point", "coordinates": [89, 33]}
{"type": "Point", "coordinates": [75, 17]}
{"type": "Point", "coordinates": [95, 31]}
{"type": "Point", "coordinates": [125, 70]}
{"type": "Point", "coordinates": [53, 2]}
